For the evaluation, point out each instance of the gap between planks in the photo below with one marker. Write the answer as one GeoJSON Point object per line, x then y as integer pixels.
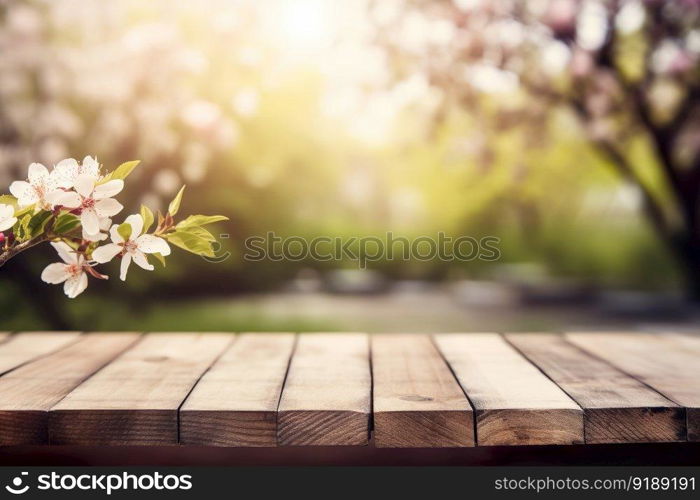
{"type": "Point", "coordinates": [617, 407]}
{"type": "Point", "coordinates": [135, 399]}
{"type": "Point", "coordinates": [29, 392]}
{"type": "Point", "coordinates": [235, 403]}
{"type": "Point", "coordinates": [667, 363]}
{"type": "Point", "coordinates": [326, 397]}
{"type": "Point", "coordinates": [515, 404]}
{"type": "Point", "coordinates": [417, 402]}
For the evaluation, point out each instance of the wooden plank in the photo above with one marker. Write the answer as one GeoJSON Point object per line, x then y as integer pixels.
{"type": "Point", "coordinates": [515, 403]}
{"type": "Point", "coordinates": [27, 393]}
{"type": "Point", "coordinates": [418, 403]}
{"type": "Point", "coordinates": [135, 399]}
{"type": "Point", "coordinates": [326, 398]}
{"type": "Point", "coordinates": [21, 348]}
{"type": "Point", "coordinates": [668, 366]}
{"type": "Point", "coordinates": [235, 402]}
{"type": "Point", "coordinates": [617, 408]}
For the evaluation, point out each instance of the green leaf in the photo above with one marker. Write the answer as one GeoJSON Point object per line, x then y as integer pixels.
{"type": "Point", "coordinates": [24, 211]}
{"type": "Point", "coordinates": [21, 228]}
{"type": "Point", "coordinates": [147, 216]}
{"type": "Point", "coordinates": [175, 204]}
{"type": "Point", "coordinates": [200, 220]}
{"type": "Point", "coordinates": [65, 223]}
{"type": "Point", "coordinates": [159, 258]}
{"type": "Point", "coordinates": [201, 233]}
{"type": "Point", "coordinates": [193, 242]}
{"type": "Point", "coordinates": [124, 230]}
{"type": "Point", "coordinates": [37, 223]}
{"type": "Point", "coordinates": [121, 172]}
{"type": "Point", "coordinates": [8, 199]}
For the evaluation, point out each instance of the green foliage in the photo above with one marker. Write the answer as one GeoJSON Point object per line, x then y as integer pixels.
{"type": "Point", "coordinates": [8, 199]}
{"type": "Point", "coordinates": [122, 171]}
{"type": "Point", "coordinates": [65, 223]}
{"type": "Point", "coordinates": [32, 225]}
{"type": "Point", "coordinates": [200, 220]}
{"type": "Point", "coordinates": [194, 239]}
{"type": "Point", "coordinates": [159, 258]}
{"type": "Point", "coordinates": [148, 218]}
{"type": "Point", "coordinates": [125, 230]}
{"type": "Point", "coordinates": [174, 206]}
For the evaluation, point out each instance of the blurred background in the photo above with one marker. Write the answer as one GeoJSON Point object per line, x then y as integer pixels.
{"type": "Point", "coordinates": [569, 129]}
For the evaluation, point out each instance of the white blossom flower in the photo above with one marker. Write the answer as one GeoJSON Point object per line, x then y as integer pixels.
{"type": "Point", "coordinates": [39, 188]}
{"type": "Point", "coordinates": [7, 217]}
{"type": "Point", "coordinates": [105, 224]}
{"type": "Point", "coordinates": [71, 271]}
{"type": "Point", "coordinates": [135, 248]}
{"type": "Point", "coordinates": [67, 171]}
{"type": "Point", "coordinates": [94, 200]}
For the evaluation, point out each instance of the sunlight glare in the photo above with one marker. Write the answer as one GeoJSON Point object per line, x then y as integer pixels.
{"type": "Point", "coordinates": [305, 25]}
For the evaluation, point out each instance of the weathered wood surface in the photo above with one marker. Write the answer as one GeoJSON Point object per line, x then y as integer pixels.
{"type": "Point", "coordinates": [23, 347]}
{"type": "Point", "coordinates": [29, 392]}
{"type": "Point", "coordinates": [326, 398]}
{"type": "Point", "coordinates": [515, 403]}
{"type": "Point", "coordinates": [235, 402]}
{"type": "Point", "coordinates": [617, 407]}
{"type": "Point", "coordinates": [445, 390]}
{"type": "Point", "coordinates": [667, 364]}
{"type": "Point", "coordinates": [417, 401]}
{"type": "Point", "coordinates": [135, 399]}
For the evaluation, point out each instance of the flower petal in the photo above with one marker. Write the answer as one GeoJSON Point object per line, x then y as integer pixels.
{"type": "Point", "coordinates": [106, 253]}
{"type": "Point", "coordinates": [37, 173]}
{"type": "Point", "coordinates": [136, 223]}
{"type": "Point", "coordinates": [85, 184]}
{"type": "Point", "coordinates": [124, 267]}
{"type": "Point", "coordinates": [65, 173]}
{"type": "Point", "coordinates": [24, 192]}
{"type": "Point", "coordinates": [75, 285]}
{"type": "Point", "coordinates": [148, 243]}
{"type": "Point", "coordinates": [142, 261]}
{"type": "Point", "coordinates": [105, 224]}
{"type": "Point", "coordinates": [116, 237]}
{"type": "Point", "coordinates": [55, 273]}
{"type": "Point", "coordinates": [7, 223]}
{"type": "Point", "coordinates": [6, 211]}
{"type": "Point", "coordinates": [108, 207]}
{"type": "Point", "coordinates": [68, 199]}
{"type": "Point", "coordinates": [66, 253]}
{"type": "Point", "coordinates": [90, 220]}
{"type": "Point", "coordinates": [108, 189]}
{"type": "Point", "coordinates": [90, 167]}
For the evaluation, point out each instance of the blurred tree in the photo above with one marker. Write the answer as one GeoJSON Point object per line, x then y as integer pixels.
{"type": "Point", "coordinates": [628, 70]}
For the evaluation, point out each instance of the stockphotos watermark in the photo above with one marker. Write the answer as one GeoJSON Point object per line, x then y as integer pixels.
{"type": "Point", "coordinates": [367, 249]}
{"type": "Point", "coordinates": [104, 483]}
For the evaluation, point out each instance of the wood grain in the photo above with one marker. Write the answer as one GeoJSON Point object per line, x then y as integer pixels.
{"type": "Point", "coordinates": [515, 403]}
{"type": "Point", "coordinates": [235, 402]}
{"type": "Point", "coordinates": [21, 348]}
{"type": "Point", "coordinates": [326, 398]}
{"type": "Point", "coordinates": [28, 393]}
{"type": "Point", "coordinates": [668, 365]}
{"type": "Point", "coordinates": [135, 399]}
{"type": "Point", "coordinates": [617, 408]}
{"type": "Point", "coordinates": [417, 401]}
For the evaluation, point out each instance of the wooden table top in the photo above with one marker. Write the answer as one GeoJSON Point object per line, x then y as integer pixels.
{"type": "Point", "coordinates": [348, 389]}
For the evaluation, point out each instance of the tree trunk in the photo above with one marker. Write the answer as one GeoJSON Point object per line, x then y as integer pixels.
{"type": "Point", "coordinates": [688, 254]}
